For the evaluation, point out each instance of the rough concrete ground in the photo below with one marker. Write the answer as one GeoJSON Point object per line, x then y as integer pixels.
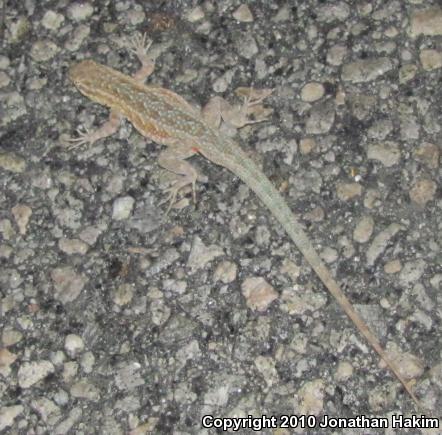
{"type": "Point", "coordinates": [114, 318]}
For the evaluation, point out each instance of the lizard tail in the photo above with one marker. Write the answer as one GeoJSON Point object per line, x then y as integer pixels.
{"type": "Point", "coordinates": [273, 200]}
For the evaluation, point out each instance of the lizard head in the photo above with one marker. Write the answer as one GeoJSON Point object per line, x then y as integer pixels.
{"type": "Point", "coordinates": [84, 75]}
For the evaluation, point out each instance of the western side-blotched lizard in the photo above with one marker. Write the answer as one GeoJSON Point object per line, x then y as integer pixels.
{"type": "Point", "coordinates": [166, 118]}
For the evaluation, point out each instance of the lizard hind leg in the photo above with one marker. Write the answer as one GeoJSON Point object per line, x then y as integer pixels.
{"type": "Point", "coordinates": [173, 159]}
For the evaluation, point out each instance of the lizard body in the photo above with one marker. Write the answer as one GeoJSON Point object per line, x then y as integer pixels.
{"type": "Point", "coordinates": [167, 119]}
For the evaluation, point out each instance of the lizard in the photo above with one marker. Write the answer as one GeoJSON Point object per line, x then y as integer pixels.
{"type": "Point", "coordinates": [168, 119]}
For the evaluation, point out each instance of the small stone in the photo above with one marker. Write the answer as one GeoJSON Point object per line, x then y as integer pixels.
{"type": "Point", "coordinates": [380, 243]}
{"type": "Point", "coordinates": [73, 345]}
{"type": "Point", "coordinates": [44, 50]}
{"type": "Point", "coordinates": [5, 251]}
{"type": "Point", "coordinates": [366, 70]}
{"type": "Point", "coordinates": [291, 269]}
{"type": "Point", "coordinates": [90, 234]}
{"type": "Point", "coordinates": [393, 266]}
{"type": "Point", "coordinates": [85, 390]}
{"type": "Point", "coordinates": [87, 362]}
{"type": "Point", "coordinates": [45, 408]}
{"type": "Point", "coordinates": [423, 191]}
{"type": "Point", "coordinates": [196, 14]}
{"type": "Point", "coordinates": [70, 371]}
{"type": "Point", "coordinates": [52, 20]}
{"type": "Point", "coordinates": [321, 118]}
{"type": "Point", "coordinates": [315, 215]}
{"type": "Point", "coordinates": [22, 214]}
{"type": "Point", "coordinates": [329, 255]}
{"type": "Point", "coordinates": [407, 72]}
{"type": "Point", "coordinates": [307, 145]}
{"type": "Point", "coordinates": [4, 79]}
{"type": "Point", "coordinates": [225, 272]}
{"type": "Point", "coordinates": [347, 191]}
{"type": "Point", "coordinates": [80, 11]}
{"type": "Point", "coordinates": [363, 229]}
{"type": "Point", "coordinates": [344, 371]}
{"type": "Point", "coordinates": [311, 398]}
{"type": "Point", "coordinates": [29, 373]}
{"type": "Point", "coordinates": [409, 365]}
{"type": "Point", "coordinates": [436, 374]}
{"type": "Point", "coordinates": [8, 415]}
{"type": "Point", "coordinates": [160, 312]}
{"type": "Point", "coordinates": [123, 294]}
{"type": "Point", "coordinates": [200, 254]}
{"type": "Point", "coordinates": [243, 14]}
{"type": "Point", "coordinates": [14, 107]}
{"type": "Point", "coordinates": [412, 272]}
{"type": "Point", "coordinates": [11, 337]}
{"type": "Point", "coordinates": [296, 302]}
{"type": "Point", "coordinates": [122, 208]}
{"type": "Point", "coordinates": [247, 46]}
{"type": "Point", "coordinates": [67, 283]}
{"type": "Point", "coordinates": [428, 154]}
{"type": "Point", "coordinates": [12, 162]}
{"type": "Point", "coordinates": [267, 367]}
{"type": "Point", "coordinates": [312, 92]}
{"type": "Point", "coordinates": [19, 28]}
{"type": "Point", "coordinates": [333, 11]}
{"type": "Point", "coordinates": [128, 376]}
{"type": "Point", "coordinates": [426, 22]}
{"type": "Point", "coordinates": [387, 153]}
{"type": "Point", "coordinates": [259, 293]}
{"type": "Point", "coordinates": [336, 54]}
{"type": "Point", "coordinates": [6, 359]}
{"type": "Point", "coordinates": [430, 59]}
{"type": "Point", "coordinates": [72, 246]}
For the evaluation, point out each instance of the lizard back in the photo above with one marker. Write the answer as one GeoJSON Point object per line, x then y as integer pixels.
{"type": "Point", "coordinates": [155, 112]}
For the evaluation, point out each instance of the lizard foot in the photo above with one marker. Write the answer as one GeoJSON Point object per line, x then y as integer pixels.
{"type": "Point", "coordinates": [176, 186]}
{"type": "Point", "coordinates": [139, 45]}
{"type": "Point", "coordinates": [252, 111]}
{"type": "Point", "coordinates": [84, 136]}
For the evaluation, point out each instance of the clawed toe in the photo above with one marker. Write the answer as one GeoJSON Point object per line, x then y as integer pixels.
{"type": "Point", "coordinates": [139, 44]}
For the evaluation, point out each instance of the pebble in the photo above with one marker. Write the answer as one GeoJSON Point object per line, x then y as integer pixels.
{"type": "Point", "coordinates": [363, 229]}
{"type": "Point", "coordinates": [259, 294]}
{"type": "Point", "coordinates": [347, 191]}
{"type": "Point", "coordinates": [44, 50]}
{"type": "Point", "coordinates": [22, 213]}
{"type": "Point", "coordinates": [73, 345]}
{"type": "Point", "coordinates": [52, 20]}
{"type": "Point", "coordinates": [122, 208]}
{"type": "Point", "coordinates": [423, 191]}
{"type": "Point", "coordinates": [67, 283]}
{"type": "Point", "coordinates": [312, 92]}
{"type": "Point", "coordinates": [430, 59]}
{"type": "Point", "coordinates": [243, 14]}
{"type": "Point", "coordinates": [8, 415]}
{"type": "Point", "coordinates": [366, 70]}
{"type": "Point", "coordinates": [426, 22]}
{"type": "Point", "coordinates": [80, 11]}
{"type": "Point", "coordinates": [29, 373]}
{"type": "Point", "coordinates": [388, 153]}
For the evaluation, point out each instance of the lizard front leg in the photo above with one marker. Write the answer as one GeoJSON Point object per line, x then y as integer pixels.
{"type": "Point", "coordinates": [86, 136]}
{"type": "Point", "coordinates": [139, 45]}
{"type": "Point", "coordinates": [251, 111]}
